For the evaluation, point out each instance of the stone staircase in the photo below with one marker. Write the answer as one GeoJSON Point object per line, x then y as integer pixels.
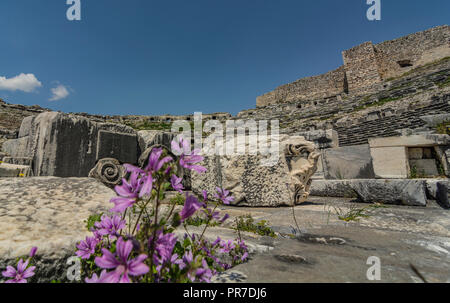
{"type": "Point", "coordinates": [390, 126]}
{"type": "Point", "coordinates": [396, 105]}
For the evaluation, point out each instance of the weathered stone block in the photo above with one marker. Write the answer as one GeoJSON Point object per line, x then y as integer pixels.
{"type": "Point", "coordinates": [26, 126]}
{"type": "Point", "coordinates": [18, 160]}
{"type": "Point", "coordinates": [69, 146]}
{"type": "Point", "coordinates": [12, 171]}
{"type": "Point", "coordinates": [16, 147]}
{"type": "Point", "coordinates": [415, 153]}
{"type": "Point", "coordinates": [438, 189]}
{"type": "Point", "coordinates": [401, 191]}
{"type": "Point", "coordinates": [411, 141]}
{"type": "Point", "coordinates": [442, 194]}
{"type": "Point", "coordinates": [122, 147]}
{"type": "Point", "coordinates": [353, 162]}
{"type": "Point", "coordinates": [390, 162]}
{"type": "Point", "coordinates": [389, 158]}
{"type": "Point", "coordinates": [405, 192]}
{"type": "Point", "coordinates": [209, 180]}
{"type": "Point", "coordinates": [322, 138]}
{"type": "Point", "coordinates": [434, 120]}
{"type": "Point", "coordinates": [253, 184]}
{"type": "Point", "coordinates": [443, 156]}
{"type": "Point", "coordinates": [49, 213]}
{"type": "Point", "coordinates": [425, 167]}
{"type": "Point", "coordinates": [332, 188]}
{"type": "Point", "coordinates": [149, 138]}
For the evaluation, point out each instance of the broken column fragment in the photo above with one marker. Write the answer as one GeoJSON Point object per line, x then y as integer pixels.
{"type": "Point", "coordinates": [69, 146]}
{"type": "Point", "coordinates": [254, 184]}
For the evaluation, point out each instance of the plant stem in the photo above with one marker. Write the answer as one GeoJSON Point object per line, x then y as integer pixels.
{"type": "Point", "coordinates": [139, 218]}
{"type": "Point", "coordinates": [171, 211]}
{"type": "Point", "coordinates": [209, 220]}
{"type": "Point", "coordinates": [295, 219]}
{"type": "Point", "coordinates": [238, 229]}
{"type": "Point", "coordinates": [152, 246]}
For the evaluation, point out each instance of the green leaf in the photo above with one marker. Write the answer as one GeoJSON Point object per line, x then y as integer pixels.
{"type": "Point", "coordinates": [92, 220]}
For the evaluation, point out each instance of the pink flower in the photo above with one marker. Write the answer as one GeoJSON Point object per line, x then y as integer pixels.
{"type": "Point", "coordinates": [187, 259]}
{"type": "Point", "coordinates": [164, 246]}
{"type": "Point", "coordinates": [226, 247]}
{"type": "Point", "coordinates": [204, 273]}
{"type": "Point", "coordinates": [188, 159]}
{"type": "Point", "coordinates": [97, 235]}
{"type": "Point", "coordinates": [223, 195]}
{"type": "Point", "coordinates": [129, 191]}
{"type": "Point", "coordinates": [110, 226]}
{"type": "Point", "coordinates": [205, 195]}
{"type": "Point", "coordinates": [154, 164]}
{"type": "Point", "coordinates": [120, 263]}
{"type": "Point", "coordinates": [20, 274]}
{"type": "Point", "coordinates": [33, 251]}
{"type": "Point", "coordinates": [176, 183]}
{"type": "Point", "coordinates": [95, 278]}
{"type": "Point", "coordinates": [86, 248]}
{"type": "Point", "coordinates": [191, 205]}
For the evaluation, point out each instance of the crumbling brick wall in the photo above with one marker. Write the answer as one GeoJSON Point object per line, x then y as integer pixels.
{"type": "Point", "coordinates": [322, 86]}
{"type": "Point", "coordinates": [361, 66]}
{"type": "Point", "coordinates": [395, 57]}
{"type": "Point", "coordinates": [366, 65]}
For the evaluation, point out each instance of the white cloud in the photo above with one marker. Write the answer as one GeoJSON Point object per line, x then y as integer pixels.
{"type": "Point", "coordinates": [23, 82]}
{"type": "Point", "coordinates": [59, 92]}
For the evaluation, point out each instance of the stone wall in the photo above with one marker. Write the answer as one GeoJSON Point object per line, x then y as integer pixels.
{"type": "Point", "coordinates": [11, 116]}
{"type": "Point", "coordinates": [365, 66]}
{"type": "Point", "coordinates": [69, 146]}
{"type": "Point", "coordinates": [397, 104]}
{"type": "Point", "coordinates": [361, 67]}
{"type": "Point", "coordinates": [322, 86]}
{"type": "Point", "coordinates": [398, 56]}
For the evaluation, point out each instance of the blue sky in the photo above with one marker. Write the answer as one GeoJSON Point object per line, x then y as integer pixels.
{"type": "Point", "coordinates": [176, 56]}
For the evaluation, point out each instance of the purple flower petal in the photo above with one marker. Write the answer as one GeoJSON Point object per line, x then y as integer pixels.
{"type": "Point", "coordinates": [136, 267]}
{"type": "Point", "coordinates": [29, 272]}
{"type": "Point", "coordinates": [147, 186]}
{"type": "Point", "coordinates": [10, 272]}
{"type": "Point", "coordinates": [107, 261]}
{"type": "Point", "coordinates": [176, 183]}
{"type": "Point", "coordinates": [33, 251]}
{"type": "Point", "coordinates": [191, 205]}
{"type": "Point", "coordinates": [121, 204]}
{"type": "Point", "coordinates": [124, 249]}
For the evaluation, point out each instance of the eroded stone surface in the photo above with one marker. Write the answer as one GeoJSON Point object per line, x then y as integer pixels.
{"type": "Point", "coordinates": [352, 162]}
{"type": "Point", "coordinates": [148, 138]}
{"type": "Point", "coordinates": [13, 170]}
{"type": "Point", "coordinates": [108, 171]}
{"type": "Point", "coordinates": [400, 191]}
{"type": "Point", "coordinates": [331, 250]}
{"type": "Point", "coordinates": [438, 189]}
{"type": "Point", "coordinates": [47, 212]}
{"type": "Point", "coordinates": [254, 183]}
